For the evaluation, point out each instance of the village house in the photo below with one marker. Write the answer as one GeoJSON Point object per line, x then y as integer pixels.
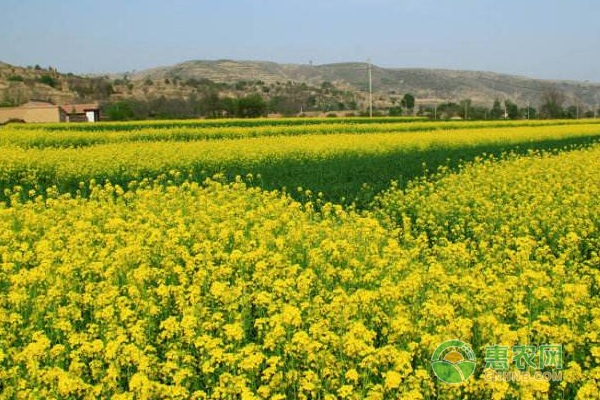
{"type": "Point", "coordinates": [36, 111]}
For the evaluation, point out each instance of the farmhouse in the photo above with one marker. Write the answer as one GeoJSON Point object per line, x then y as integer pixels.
{"type": "Point", "coordinates": [42, 111]}
{"type": "Point", "coordinates": [81, 112]}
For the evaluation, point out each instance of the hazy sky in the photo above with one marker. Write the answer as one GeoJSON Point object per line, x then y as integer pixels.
{"type": "Point", "coordinates": [537, 38]}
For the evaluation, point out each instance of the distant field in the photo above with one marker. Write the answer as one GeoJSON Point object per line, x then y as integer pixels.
{"type": "Point", "coordinates": [301, 259]}
{"type": "Point", "coordinates": [76, 134]}
{"type": "Point", "coordinates": [346, 162]}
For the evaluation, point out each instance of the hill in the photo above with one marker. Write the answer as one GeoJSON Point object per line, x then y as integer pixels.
{"type": "Point", "coordinates": [21, 84]}
{"type": "Point", "coordinates": [288, 88]}
{"type": "Point", "coordinates": [443, 85]}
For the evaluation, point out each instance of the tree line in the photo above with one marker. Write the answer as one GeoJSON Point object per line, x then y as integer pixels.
{"type": "Point", "coordinates": [242, 99]}
{"type": "Point", "coordinates": [212, 106]}
{"type": "Point", "coordinates": [210, 102]}
{"type": "Point", "coordinates": [552, 105]}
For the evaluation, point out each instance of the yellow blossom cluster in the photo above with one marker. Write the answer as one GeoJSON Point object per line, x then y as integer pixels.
{"type": "Point", "coordinates": [513, 250]}
{"type": "Point", "coordinates": [338, 164]}
{"type": "Point", "coordinates": [81, 135]}
{"type": "Point", "coordinates": [201, 291]}
{"type": "Point", "coordinates": [158, 285]}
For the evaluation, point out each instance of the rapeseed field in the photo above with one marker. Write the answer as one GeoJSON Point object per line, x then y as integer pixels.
{"type": "Point", "coordinates": [129, 270]}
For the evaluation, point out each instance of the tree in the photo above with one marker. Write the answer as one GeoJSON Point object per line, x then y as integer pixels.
{"type": "Point", "coordinates": [240, 85]}
{"type": "Point", "coordinates": [47, 80]}
{"type": "Point", "coordinates": [229, 106]}
{"type": "Point", "coordinates": [512, 110]}
{"type": "Point", "coordinates": [251, 106]}
{"type": "Point", "coordinates": [465, 107]}
{"type": "Point", "coordinates": [478, 112]}
{"type": "Point", "coordinates": [173, 108]}
{"type": "Point", "coordinates": [448, 110]}
{"type": "Point", "coordinates": [211, 105]}
{"type": "Point", "coordinates": [408, 102]}
{"type": "Point", "coordinates": [119, 111]}
{"type": "Point", "coordinates": [395, 111]}
{"type": "Point", "coordinates": [552, 104]}
{"type": "Point", "coordinates": [572, 112]}
{"type": "Point", "coordinates": [497, 112]}
{"type": "Point", "coordinates": [528, 113]}
{"type": "Point", "coordinates": [287, 105]}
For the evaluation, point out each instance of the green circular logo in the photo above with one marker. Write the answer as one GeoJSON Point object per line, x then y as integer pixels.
{"type": "Point", "coordinates": [453, 361]}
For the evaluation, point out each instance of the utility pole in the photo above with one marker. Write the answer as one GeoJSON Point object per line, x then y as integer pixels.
{"type": "Point", "coordinates": [370, 91]}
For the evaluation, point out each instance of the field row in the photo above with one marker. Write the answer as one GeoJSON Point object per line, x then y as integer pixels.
{"type": "Point", "coordinates": [215, 123]}
{"type": "Point", "coordinates": [224, 291]}
{"type": "Point", "coordinates": [79, 135]}
{"type": "Point", "coordinates": [343, 166]}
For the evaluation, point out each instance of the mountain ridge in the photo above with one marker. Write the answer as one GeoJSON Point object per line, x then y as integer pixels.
{"type": "Point", "coordinates": [483, 87]}
{"type": "Point", "coordinates": [428, 85]}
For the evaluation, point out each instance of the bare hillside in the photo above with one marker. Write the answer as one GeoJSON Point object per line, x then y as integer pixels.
{"type": "Point", "coordinates": [189, 80]}
{"type": "Point", "coordinates": [443, 85]}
